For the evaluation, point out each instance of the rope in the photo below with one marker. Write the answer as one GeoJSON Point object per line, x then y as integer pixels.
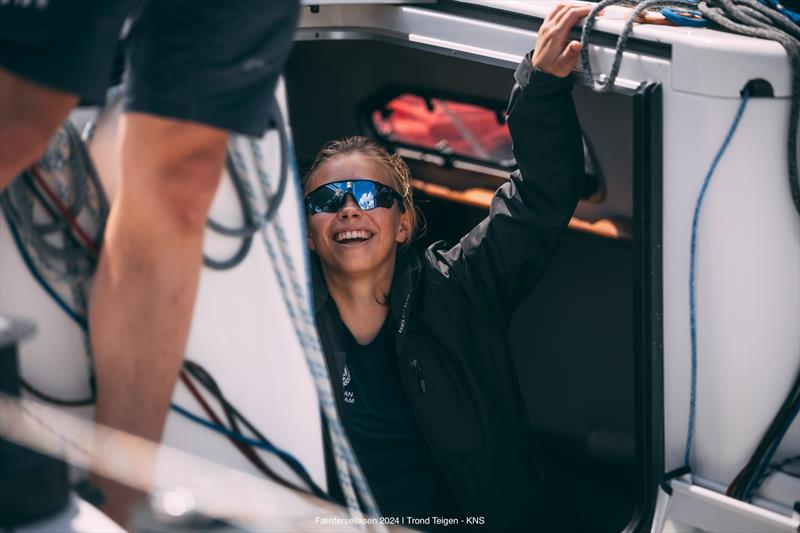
{"type": "Point", "coordinates": [739, 16]}
{"type": "Point", "coordinates": [248, 452]}
{"type": "Point", "coordinates": [83, 198]}
{"type": "Point", "coordinates": [777, 466]}
{"type": "Point", "coordinates": [253, 220]}
{"type": "Point", "coordinates": [64, 190]}
{"type": "Point", "coordinates": [287, 457]}
{"type": "Point", "coordinates": [692, 273]}
{"type": "Point", "coordinates": [298, 305]}
{"type": "Point", "coordinates": [761, 472]}
{"type": "Point", "coordinates": [235, 417]}
{"type": "Point", "coordinates": [608, 84]}
{"type": "Point", "coordinates": [752, 18]}
{"type": "Point", "coordinates": [745, 17]}
{"type": "Point", "coordinates": [746, 481]}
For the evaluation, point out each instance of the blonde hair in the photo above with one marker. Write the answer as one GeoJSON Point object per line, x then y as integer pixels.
{"type": "Point", "coordinates": [395, 167]}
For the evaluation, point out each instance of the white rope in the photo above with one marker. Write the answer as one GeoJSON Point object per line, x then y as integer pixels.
{"type": "Point", "coordinates": [299, 307]}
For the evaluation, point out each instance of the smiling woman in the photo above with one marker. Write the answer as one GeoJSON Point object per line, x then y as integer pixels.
{"type": "Point", "coordinates": [357, 238]}
{"type": "Point", "coordinates": [417, 346]}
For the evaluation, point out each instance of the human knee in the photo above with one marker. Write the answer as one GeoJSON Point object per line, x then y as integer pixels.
{"type": "Point", "coordinates": [29, 116]}
{"type": "Point", "coordinates": [177, 161]}
{"type": "Point", "coordinates": [186, 187]}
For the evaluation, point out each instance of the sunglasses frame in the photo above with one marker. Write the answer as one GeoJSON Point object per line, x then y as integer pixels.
{"type": "Point", "coordinates": [312, 208]}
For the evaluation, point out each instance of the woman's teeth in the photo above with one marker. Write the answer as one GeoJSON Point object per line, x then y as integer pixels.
{"type": "Point", "coordinates": [360, 235]}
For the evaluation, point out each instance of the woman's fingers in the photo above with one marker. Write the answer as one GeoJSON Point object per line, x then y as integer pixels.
{"type": "Point", "coordinates": [551, 21]}
{"type": "Point", "coordinates": [553, 54]}
{"type": "Point", "coordinates": [569, 18]}
{"type": "Point", "coordinates": [558, 18]}
{"type": "Point", "coordinates": [569, 56]}
{"type": "Point", "coordinates": [558, 10]}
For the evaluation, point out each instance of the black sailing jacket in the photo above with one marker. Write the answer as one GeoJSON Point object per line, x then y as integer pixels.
{"type": "Point", "coordinates": [453, 306]}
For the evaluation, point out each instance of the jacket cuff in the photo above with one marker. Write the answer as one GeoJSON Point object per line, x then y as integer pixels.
{"type": "Point", "coordinates": [534, 81]}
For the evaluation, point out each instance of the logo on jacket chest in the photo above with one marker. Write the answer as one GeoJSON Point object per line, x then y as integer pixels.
{"type": "Point", "coordinates": [346, 379]}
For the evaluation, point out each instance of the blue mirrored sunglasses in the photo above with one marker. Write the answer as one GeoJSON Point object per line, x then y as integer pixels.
{"type": "Point", "coordinates": [367, 194]}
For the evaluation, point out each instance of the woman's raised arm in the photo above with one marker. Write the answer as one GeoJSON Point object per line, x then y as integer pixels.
{"type": "Point", "coordinates": [503, 257]}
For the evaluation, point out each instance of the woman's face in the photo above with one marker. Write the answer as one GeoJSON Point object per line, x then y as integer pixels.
{"type": "Point", "coordinates": [379, 230]}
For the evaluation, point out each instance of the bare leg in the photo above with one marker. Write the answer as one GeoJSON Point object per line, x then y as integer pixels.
{"type": "Point", "coordinates": [29, 115]}
{"type": "Point", "coordinates": [145, 286]}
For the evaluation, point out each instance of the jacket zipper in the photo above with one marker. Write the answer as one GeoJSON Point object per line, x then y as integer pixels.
{"type": "Point", "coordinates": [416, 365]}
{"type": "Point", "coordinates": [423, 423]}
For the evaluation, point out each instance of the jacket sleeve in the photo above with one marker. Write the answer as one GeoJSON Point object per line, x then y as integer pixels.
{"type": "Point", "coordinates": [503, 257]}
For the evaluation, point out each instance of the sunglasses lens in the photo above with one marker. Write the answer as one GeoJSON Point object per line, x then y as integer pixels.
{"type": "Point", "coordinates": [367, 194]}
{"type": "Point", "coordinates": [385, 197]}
{"type": "Point", "coordinates": [326, 199]}
{"type": "Point", "coordinates": [364, 192]}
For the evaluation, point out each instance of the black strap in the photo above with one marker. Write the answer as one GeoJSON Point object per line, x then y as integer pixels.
{"type": "Point", "coordinates": [672, 474]}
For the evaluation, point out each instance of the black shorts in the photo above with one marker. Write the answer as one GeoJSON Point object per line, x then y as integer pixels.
{"type": "Point", "coordinates": [212, 62]}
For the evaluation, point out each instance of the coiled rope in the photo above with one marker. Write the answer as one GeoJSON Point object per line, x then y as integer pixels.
{"type": "Point", "coordinates": [745, 17]}
{"type": "Point", "coordinates": [64, 190]}
{"type": "Point", "coordinates": [252, 220]}
{"type": "Point", "coordinates": [752, 18]}
{"type": "Point", "coordinates": [607, 84]}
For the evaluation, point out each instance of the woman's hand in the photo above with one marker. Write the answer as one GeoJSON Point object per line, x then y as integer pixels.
{"type": "Point", "coordinates": [554, 54]}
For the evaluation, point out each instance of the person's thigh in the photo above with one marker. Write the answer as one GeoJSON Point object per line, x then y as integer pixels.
{"type": "Point", "coordinates": [213, 63]}
{"type": "Point", "coordinates": [65, 45]}
{"type": "Point", "coordinates": [53, 53]}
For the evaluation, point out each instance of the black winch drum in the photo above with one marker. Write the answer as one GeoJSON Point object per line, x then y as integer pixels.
{"type": "Point", "coordinates": [32, 485]}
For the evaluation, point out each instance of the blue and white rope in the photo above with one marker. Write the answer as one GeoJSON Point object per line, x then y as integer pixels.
{"type": "Point", "coordinates": [299, 307]}
{"type": "Point", "coordinates": [692, 274]}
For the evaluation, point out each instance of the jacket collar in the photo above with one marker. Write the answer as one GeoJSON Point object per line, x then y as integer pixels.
{"type": "Point", "coordinates": [404, 284]}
